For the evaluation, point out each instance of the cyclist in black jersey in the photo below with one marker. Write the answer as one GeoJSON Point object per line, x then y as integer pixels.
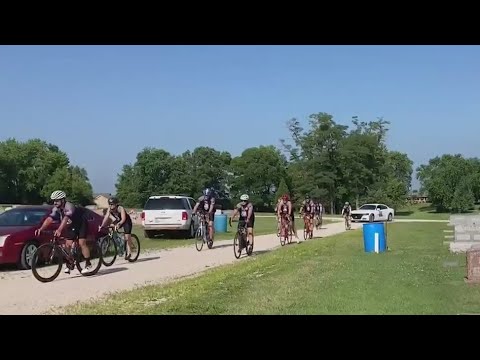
{"type": "Point", "coordinates": [73, 219]}
{"type": "Point", "coordinates": [206, 205]}
{"type": "Point", "coordinates": [120, 218]}
{"type": "Point", "coordinates": [246, 214]}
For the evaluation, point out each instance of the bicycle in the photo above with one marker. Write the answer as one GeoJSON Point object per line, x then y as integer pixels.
{"type": "Point", "coordinates": [318, 222]}
{"type": "Point", "coordinates": [47, 253]}
{"type": "Point", "coordinates": [241, 239]}
{"type": "Point", "coordinates": [307, 233]}
{"type": "Point", "coordinates": [202, 235]}
{"type": "Point", "coordinates": [115, 243]}
{"type": "Point", "coordinates": [286, 228]}
{"type": "Point", "coordinates": [348, 225]}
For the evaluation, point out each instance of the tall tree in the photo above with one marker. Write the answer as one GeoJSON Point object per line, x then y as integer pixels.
{"type": "Point", "coordinates": [74, 181]}
{"type": "Point", "coordinates": [258, 172]}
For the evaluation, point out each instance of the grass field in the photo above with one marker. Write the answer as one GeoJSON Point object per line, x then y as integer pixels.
{"type": "Point", "coordinates": [263, 226]}
{"type": "Point", "coordinates": [334, 275]}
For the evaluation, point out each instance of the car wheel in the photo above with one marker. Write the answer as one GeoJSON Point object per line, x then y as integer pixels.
{"type": "Point", "coordinates": [26, 255]}
{"type": "Point", "coordinates": [149, 234]}
{"type": "Point", "coordinates": [390, 217]}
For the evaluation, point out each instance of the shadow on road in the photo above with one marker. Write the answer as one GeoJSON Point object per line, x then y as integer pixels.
{"type": "Point", "coordinates": [147, 259]}
{"type": "Point", "coordinates": [102, 271]}
{"type": "Point", "coordinates": [221, 246]}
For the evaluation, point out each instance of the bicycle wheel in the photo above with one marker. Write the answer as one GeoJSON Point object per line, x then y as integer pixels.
{"type": "Point", "coordinates": [135, 249]}
{"type": "Point", "coordinates": [250, 248]}
{"type": "Point", "coordinates": [283, 233]}
{"type": "Point", "coordinates": [96, 258]}
{"type": "Point", "coordinates": [199, 238]}
{"type": "Point", "coordinates": [236, 245]}
{"type": "Point", "coordinates": [109, 250]}
{"type": "Point", "coordinates": [206, 232]}
{"type": "Point", "coordinates": [48, 257]}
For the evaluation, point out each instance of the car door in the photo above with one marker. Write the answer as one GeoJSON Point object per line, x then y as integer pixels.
{"type": "Point", "coordinates": [192, 203]}
{"type": "Point", "coordinates": [382, 212]}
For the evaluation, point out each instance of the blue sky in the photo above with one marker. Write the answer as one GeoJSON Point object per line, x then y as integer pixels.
{"type": "Point", "coordinates": [104, 104]}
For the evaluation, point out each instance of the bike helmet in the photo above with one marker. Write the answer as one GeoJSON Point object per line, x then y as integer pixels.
{"type": "Point", "coordinates": [207, 191]}
{"type": "Point", "coordinates": [244, 197]}
{"type": "Point", "coordinates": [58, 195]}
{"type": "Point", "coordinates": [113, 201]}
{"type": "Point", "coordinates": [347, 203]}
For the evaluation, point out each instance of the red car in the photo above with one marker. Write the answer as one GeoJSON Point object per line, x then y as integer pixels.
{"type": "Point", "coordinates": [17, 232]}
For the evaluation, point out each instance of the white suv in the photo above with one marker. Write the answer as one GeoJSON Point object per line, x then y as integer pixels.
{"type": "Point", "coordinates": [169, 213]}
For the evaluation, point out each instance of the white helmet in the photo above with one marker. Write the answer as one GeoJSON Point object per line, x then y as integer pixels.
{"type": "Point", "coordinates": [244, 197]}
{"type": "Point", "coordinates": [58, 195]}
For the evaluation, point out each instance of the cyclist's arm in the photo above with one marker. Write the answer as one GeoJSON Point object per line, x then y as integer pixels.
{"type": "Point", "coordinates": [68, 212]}
{"type": "Point", "coordinates": [249, 212]}
{"type": "Point", "coordinates": [212, 205]}
{"type": "Point", "coordinates": [289, 208]}
{"type": "Point", "coordinates": [51, 217]}
{"type": "Point", "coordinates": [123, 215]}
{"type": "Point", "coordinates": [105, 218]}
{"type": "Point", "coordinates": [196, 207]}
{"type": "Point", "coordinates": [235, 212]}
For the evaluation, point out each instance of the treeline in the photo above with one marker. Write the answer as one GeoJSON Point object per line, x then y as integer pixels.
{"type": "Point", "coordinates": [31, 170]}
{"type": "Point", "coordinates": [328, 160]}
{"type": "Point", "coordinates": [451, 182]}
{"type": "Point", "coordinates": [333, 162]}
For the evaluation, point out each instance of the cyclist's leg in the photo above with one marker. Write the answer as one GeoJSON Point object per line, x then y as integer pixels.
{"type": "Point", "coordinates": [211, 217]}
{"type": "Point", "coordinates": [68, 248]}
{"type": "Point", "coordinates": [82, 232]}
{"type": "Point", "coordinates": [250, 226]}
{"type": "Point", "coordinates": [127, 228]}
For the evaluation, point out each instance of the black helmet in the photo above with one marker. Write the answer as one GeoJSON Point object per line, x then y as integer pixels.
{"type": "Point", "coordinates": [113, 201]}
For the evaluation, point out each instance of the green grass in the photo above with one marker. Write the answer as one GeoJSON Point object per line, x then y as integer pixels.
{"type": "Point", "coordinates": [328, 276]}
{"type": "Point", "coordinates": [424, 212]}
{"type": "Point", "coordinates": [263, 226]}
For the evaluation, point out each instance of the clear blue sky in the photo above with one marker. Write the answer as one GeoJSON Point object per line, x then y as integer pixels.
{"type": "Point", "coordinates": [103, 104]}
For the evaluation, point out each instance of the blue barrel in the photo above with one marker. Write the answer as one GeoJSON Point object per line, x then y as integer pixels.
{"type": "Point", "coordinates": [374, 237]}
{"type": "Point", "coordinates": [220, 223]}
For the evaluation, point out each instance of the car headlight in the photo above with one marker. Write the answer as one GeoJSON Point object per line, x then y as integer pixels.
{"type": "Point", "coordinates": [2, 239]}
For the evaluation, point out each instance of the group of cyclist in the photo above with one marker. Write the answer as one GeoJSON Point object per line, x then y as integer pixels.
{"type": "Point", "coordinates": [73, 218]}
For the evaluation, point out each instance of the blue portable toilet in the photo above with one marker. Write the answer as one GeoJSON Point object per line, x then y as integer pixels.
{"type": "Point", "coordinates": [220, 223]}
{"type": "Point", "coordinates": [374, 237]}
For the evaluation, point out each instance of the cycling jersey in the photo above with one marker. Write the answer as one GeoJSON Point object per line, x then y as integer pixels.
{"type": "Point", "coordinates": [77, 225]}
{"type": "Point", "coordinates": [308, 207]}
{"type": "Point", "coordinates": [75, 214]}
{"type": "Point", "coordinates": [243, 211]}
{"type": "Point", "coordinates": [205, 202]}
{"type": "Point", "coordinates": [117, 215]}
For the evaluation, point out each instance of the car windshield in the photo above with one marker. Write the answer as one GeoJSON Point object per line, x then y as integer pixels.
{"type": "Point", "coordinates": [22, 217]}
{"type": "Point", "coordinates": [164, 204]}
{"type": "Point", "coordinates": [368, 207]}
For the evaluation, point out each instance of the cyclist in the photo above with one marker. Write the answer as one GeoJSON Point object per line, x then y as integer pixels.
{"type": "Point", "coordinates": [319, 213]}
{"type": "Point", "coordinates": [73, 218]}
{"type": "Point", "coordinates": [346, 213]}
{"type": "Point", "coordinates": [206, 202]}
{"type": "Point", "coordinates": [307, 209]}
{"type": "Point", "coordinates": [276, 214]}
{"type": "Point", "coordinates": [285, 209]}
{"type": "Point", "coordinates": [121, 219]}
{"type": "Point", "coordinates": [246, 216]}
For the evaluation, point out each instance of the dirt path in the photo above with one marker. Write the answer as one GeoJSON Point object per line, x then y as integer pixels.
{"type": "Point", "coordinates": [21, 293]}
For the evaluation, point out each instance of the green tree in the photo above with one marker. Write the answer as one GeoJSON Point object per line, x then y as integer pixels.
{"type": "Point", "coordinates": [26, 167]}
{"type": "Point", "coordinates": [449, 181]}
{"type": "Point", "coordinates": [258, 172]}
{"type": "Point", "coordinates": [282, 189]}
{"type": "Point", "coordinates": [74, 181]}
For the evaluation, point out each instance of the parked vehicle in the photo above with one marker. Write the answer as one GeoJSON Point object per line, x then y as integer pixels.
{"type": "Point", "coordinates": [373, 212]}
{"type": "Point", "coordinates": [18, 242]}
{"type": "Point", "coordinates": [169, 213]}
